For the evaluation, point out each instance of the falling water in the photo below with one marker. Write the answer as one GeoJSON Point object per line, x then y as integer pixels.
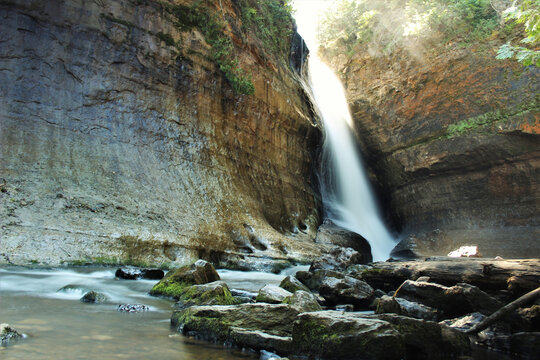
{"type": "Point", "coordinates": [347, 194]}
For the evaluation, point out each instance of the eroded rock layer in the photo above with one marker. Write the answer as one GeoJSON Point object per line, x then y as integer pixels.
{"type": "Point", "coordinates": [121, 139]}
{"type": "Point", "coordinates": [453, 136]}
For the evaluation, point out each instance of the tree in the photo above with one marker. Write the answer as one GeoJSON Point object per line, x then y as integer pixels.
{"type": "Point", "coordinates": [526, 12]}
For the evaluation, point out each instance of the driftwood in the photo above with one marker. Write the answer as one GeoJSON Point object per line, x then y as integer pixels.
{"type": "Point", "coordinates": [505, 310]}
{"type": "Point", "coordinates": [518, 276]}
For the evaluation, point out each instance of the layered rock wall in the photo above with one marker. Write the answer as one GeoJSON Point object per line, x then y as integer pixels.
{"type": "Point", "coordinates": [121, 139]}
{"type": "Point", "coordinates": [452, 137]}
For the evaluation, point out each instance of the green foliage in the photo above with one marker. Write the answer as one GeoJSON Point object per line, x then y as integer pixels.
{"type": "Point", "coordinates": [487, 120]}
{"type": "Point", "coordinates": [527, 13]}
{"type": "Point", "coordinates": [380, 26]}
{"type": "Point", "coordinates": [270, 20]}
{"type": "Point", "coordinates": [213, 27]}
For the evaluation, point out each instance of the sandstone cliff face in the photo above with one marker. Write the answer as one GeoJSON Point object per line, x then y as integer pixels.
{"type": "Point", "coordinates": [453, 138]}
{"type": "Point", "coordinates": [121, 139]}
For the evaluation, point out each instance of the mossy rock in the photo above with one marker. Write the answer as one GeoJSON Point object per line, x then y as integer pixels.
{"type": "Point", "coordinates": [215, 322]}
{"type": "Point", "coordinates": [215, 293]}
{"type": "Point", "coordinates": [176, 281]}
{"type": "Point", "coordinates": [303, 301]}
{"type": "Point", "coordinates": [272, 294]}
{"type": "Point", "coordinates": [94, 297]}
{"type": "Point", "coordinates": [337, 335]}
{"type": "Point", "coordinates": [292, 284]}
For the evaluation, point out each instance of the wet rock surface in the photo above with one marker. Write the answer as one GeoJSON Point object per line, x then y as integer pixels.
{"type": "Point", "coordinates": [330, 233]}
{"type": "Point", "coordinates": [399, 306]}
{"type": "Point", "coordinates": [94, 297]}
{"type": "Point", "coordinates": [136, 273]}
{"type": "Point", "coordinates": [292, 284]}
{"type": "Point", "coordinates": [303, 301]}
{"type": "Point", "coordinates": [132, 308]}
{"type": "Point", "coordinates": [346, 291]}
{"type": "Point", "coordinates": [338, 259]}
{"type": "Point", "coordinates": [214, 293]}
{"type": "Point", "coordinates": [272, 294]}
{"type": "Point", "coordinates": [9, 335]}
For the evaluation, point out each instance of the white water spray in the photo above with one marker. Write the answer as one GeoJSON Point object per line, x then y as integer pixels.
{"type": "Point", "coordinates": [347, 193]}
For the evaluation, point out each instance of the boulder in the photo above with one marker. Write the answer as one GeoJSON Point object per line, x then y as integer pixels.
{"type": "Point", "coordinates": [132, 308]}
{"type": "Point", "coordinates": [8, 334]}
{"type": "Point", "coordinates": [215, 293]}
{"type": "Point", "coordinates": [94, 297]}
{"type": "Point", "coordinates": [272, 294]}
{"type": "Point", "coordinates": [531, 316]}
{"type": "Point", "coordinates": [395, 305]}
{"type": "Point", "coordinates": [174, 283]}
{"type": "Point", "coordinates": [131, 273]}
{"type": "Point", "coordinates": [454, 301]}
{"type": "Point", "coordinates": [258, 326]}
{"type": "Point", "coordinates": [292, 284]}
{"type": "Point", "coordinates": [525, 345]}
{"type": "Point", "coordinates": [464, 323]}
{"type": "Point", "coordinates": [338, 335]}
{"type": "Point", "coordinates": [427, 339]}
{"type": "Point", "coordinates": [338, 259]}
{"type": "Point", "coordinates": [303, 301]}
{"type": "Point", "coordinates": [313, 279]}
{"type": "Point", "coordinates": [330, 233]}
{"type": "Point", "coordinates": [347, 290]}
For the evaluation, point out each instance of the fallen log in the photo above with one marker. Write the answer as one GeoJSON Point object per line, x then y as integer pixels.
{"type": "Point", "coordinates": [505, 310]}
{"type": "Point", "coordinates": [517, 276]}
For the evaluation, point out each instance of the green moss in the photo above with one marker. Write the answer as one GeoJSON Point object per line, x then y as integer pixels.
{"type": "Point", "coordinates": [486, 120]}
{"type": "Point", "coordinates": [192, 295]}
{"type": "Point", "coordinates": [169, 288]}
{"type": "Point", "coordinates": [316, 338]}
{"type": "Point", "coordinates": [206, 327]}
{"type": "Point", "coordinates": [270, 21]}
{"type": "Point", "coordinates": [200, 16]}
{"type": "Point", "coordinates": [166, 38]}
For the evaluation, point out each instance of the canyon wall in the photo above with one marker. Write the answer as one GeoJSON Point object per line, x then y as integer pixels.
{"type": "Point", "coordinates": [122, 138]}
{"type": "Point", "coordinates": [451, 135]}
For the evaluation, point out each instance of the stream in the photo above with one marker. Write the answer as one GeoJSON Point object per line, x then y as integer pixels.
{"type": "Point", "coordinates": [59, 326]}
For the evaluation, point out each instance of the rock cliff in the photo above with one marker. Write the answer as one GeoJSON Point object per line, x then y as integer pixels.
{"type": "Point", "coordinates": [152, 131]}
{"type": "Point", "coordinates": [452, 138]}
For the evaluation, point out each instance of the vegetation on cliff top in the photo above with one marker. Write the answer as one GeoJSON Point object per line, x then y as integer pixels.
{"type": "Point", "coordinates": [269, 20]}
{"type": "Point", "coordinates": [528, 14]}
{"type": "Point", "coordinates": [380, 27]}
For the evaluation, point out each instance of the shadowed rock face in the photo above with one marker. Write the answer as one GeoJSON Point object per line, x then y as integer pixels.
{"type": "Point", "coordinates": [452, 135]}
{"type": "Point", "coordinates": [120, 143]}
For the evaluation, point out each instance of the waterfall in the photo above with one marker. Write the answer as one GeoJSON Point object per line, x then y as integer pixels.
{"type": "Point", "coordinates": [346, 191]}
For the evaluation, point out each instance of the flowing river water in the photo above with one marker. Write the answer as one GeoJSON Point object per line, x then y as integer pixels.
{"type": "Point", "coordinates": [59, 326]}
